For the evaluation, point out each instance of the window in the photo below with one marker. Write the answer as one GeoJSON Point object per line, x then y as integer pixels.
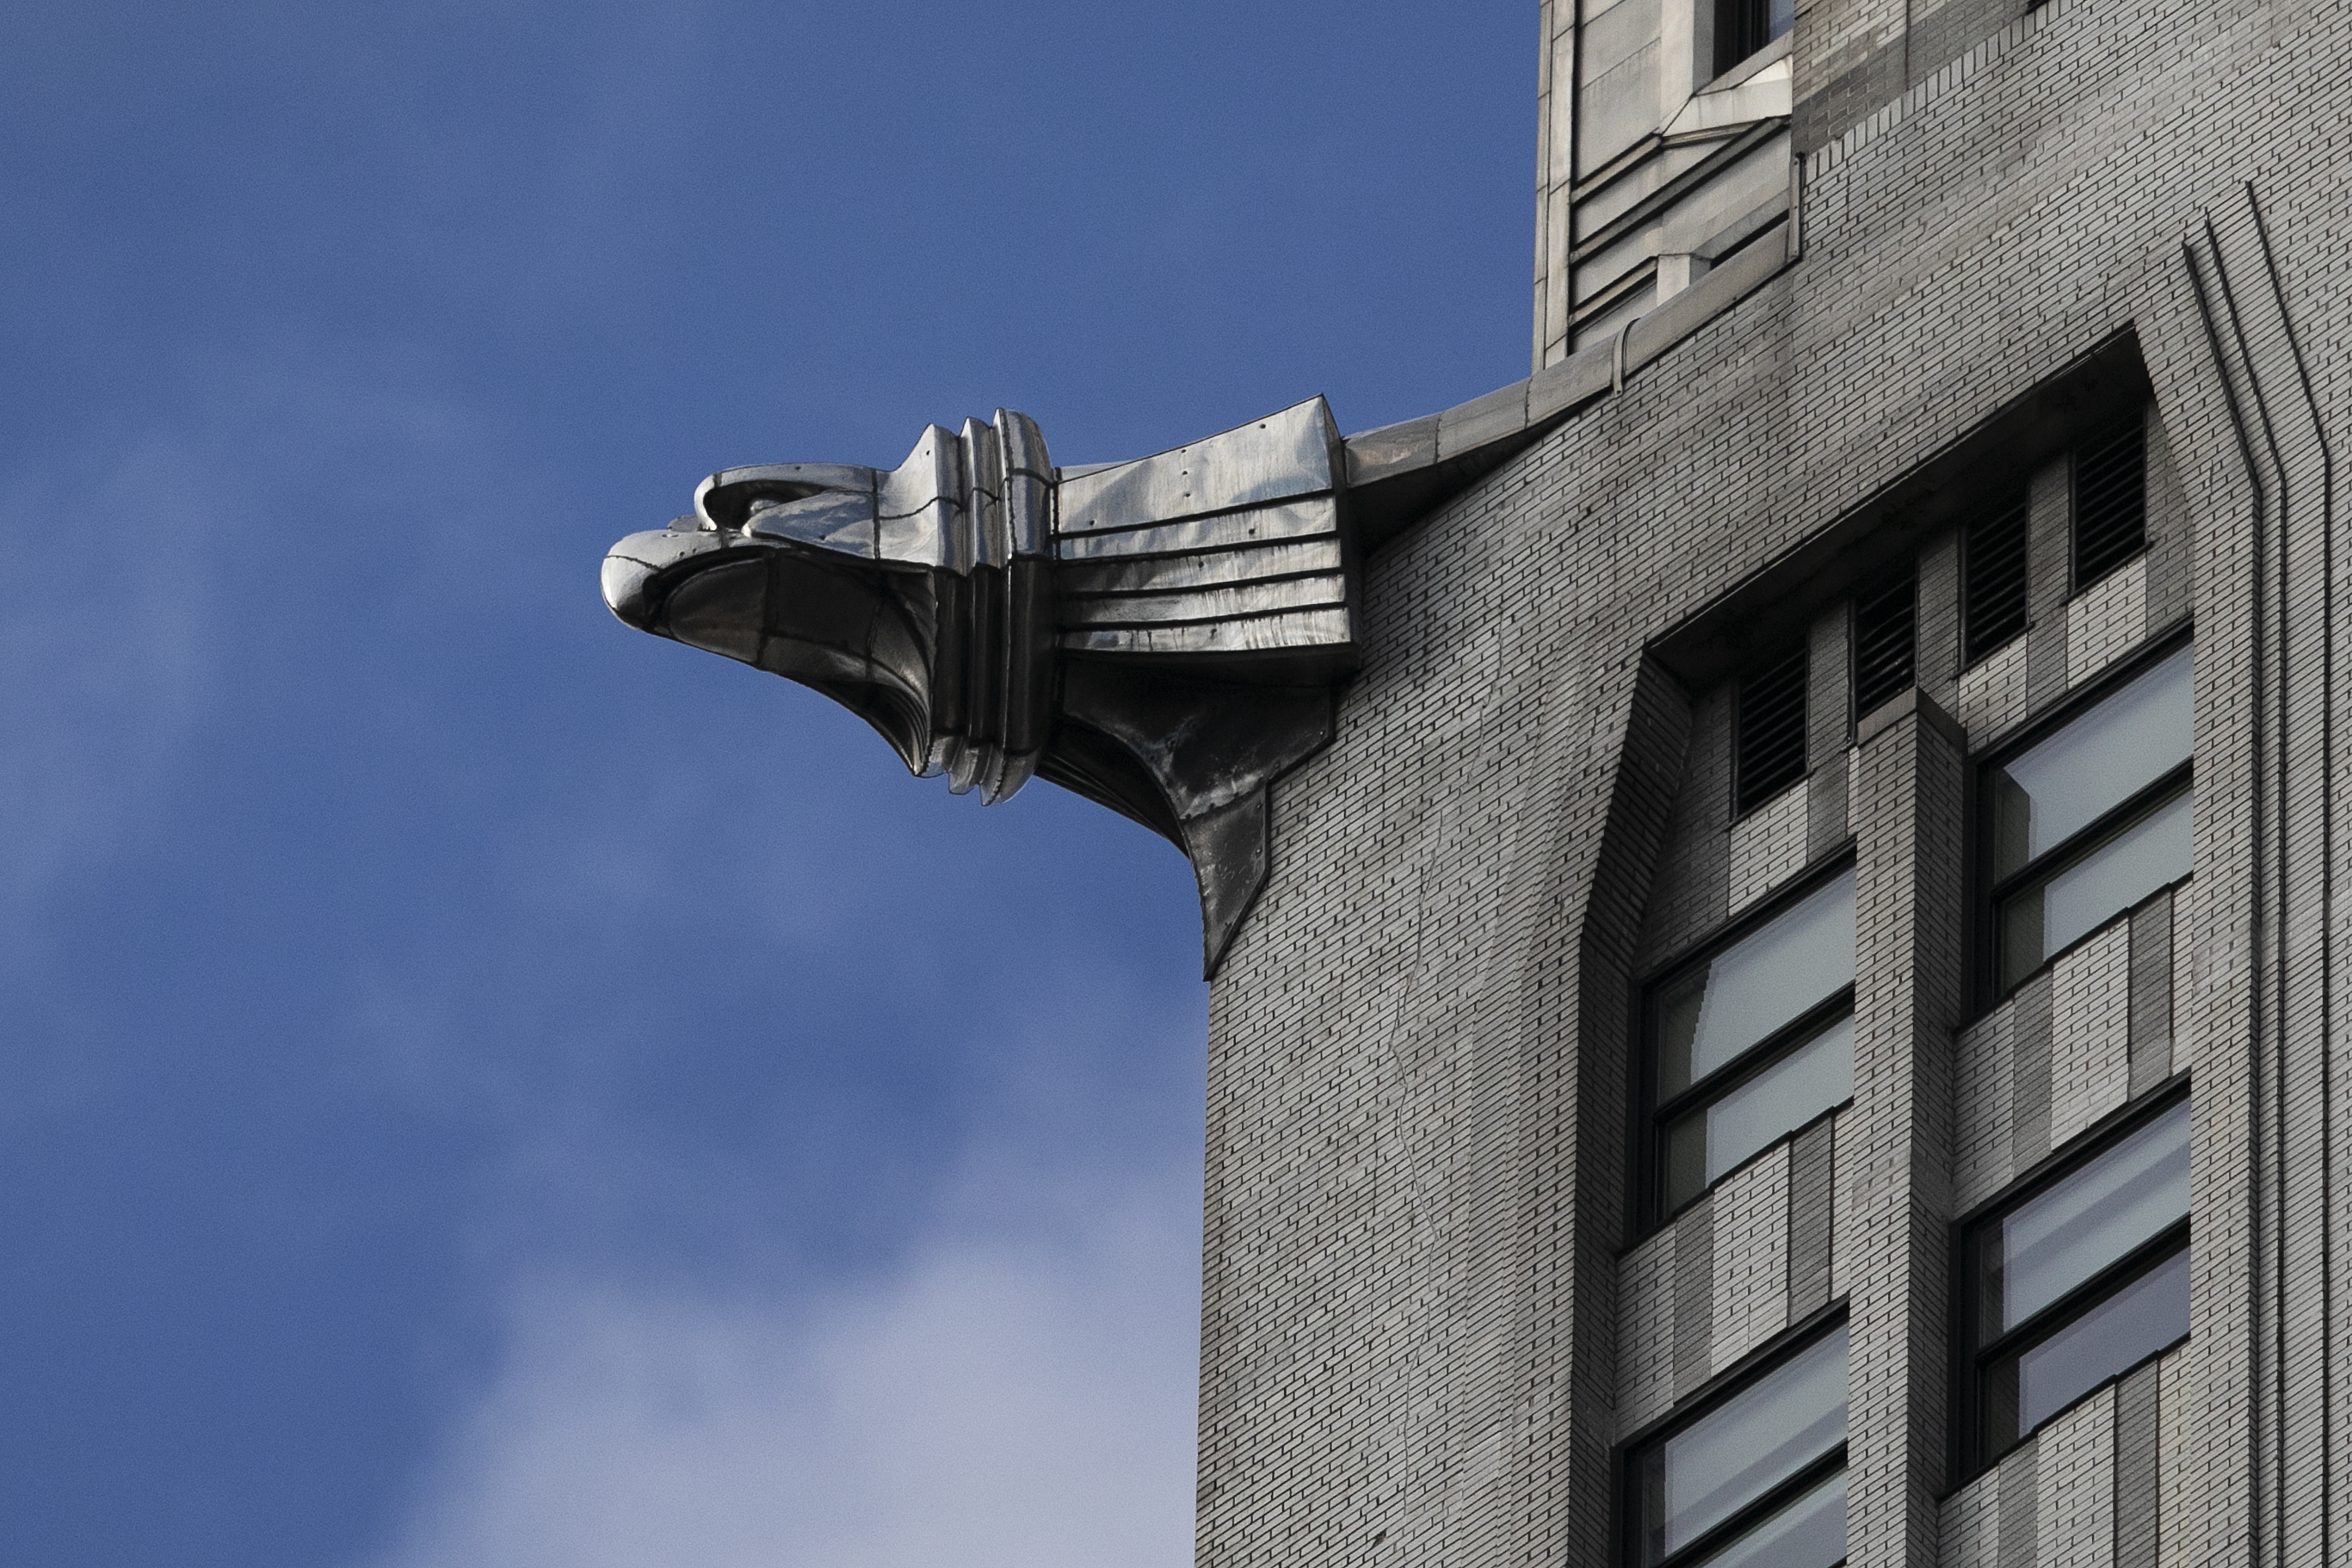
{"type": "Point", "coordinates": [1886, 643]}
{"type": "Point", "coordinates": [1749, 1045]}
{"type": "Point", "coordinates": [1756, 1480]}
{"type": "Point", "coordinates": [2110, 506]}
{"type": "Point", "coordinates": [2091, 820]}
{"type": "Point", "coordinates": [2080, 1282]}
{"type": "Point", "coordinates": [1993, 603]}
{"type": "Point", "coordinates": [1744, 26]}
{"type": "Point", "coordinates": [1770, 752]}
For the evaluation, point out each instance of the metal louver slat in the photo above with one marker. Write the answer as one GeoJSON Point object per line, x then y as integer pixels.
{"type": "Point", "coordinates": [1993, 581]}
{"type": "Point", "coordinates": [1885, 644]}
{"type": "Point", "coordinates": [1771, 754]}
{"type": "Point", "coordinates": [2110, 507]}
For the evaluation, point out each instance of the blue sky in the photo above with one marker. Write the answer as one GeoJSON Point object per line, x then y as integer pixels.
{"type": "Point", "coordinates": [486, 1086]}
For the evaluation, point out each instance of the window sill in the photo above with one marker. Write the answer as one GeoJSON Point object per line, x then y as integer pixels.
{"type": "Point", "coordinates": [2055, 1416]}
{"type": "Point", "coordinates": [2170, 890]}
{"type": "Point", "coordinates": [1651, 1233]}
{"type": "Point", "coordinates": [1771, 54]}
{"type": "Point", "coordinates": [1811, 1326]}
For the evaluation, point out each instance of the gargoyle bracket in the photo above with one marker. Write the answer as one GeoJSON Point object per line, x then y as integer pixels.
{"type": "Point", "coordinates": [1163, 636]}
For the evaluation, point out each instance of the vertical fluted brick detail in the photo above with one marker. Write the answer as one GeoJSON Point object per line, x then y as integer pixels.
{"type": "Point", "coordinates": [2090, 1032]}
{"type": "Point", "coordinates": [2020, 1507]}
{"type": "Point", "coordinates": [1813, 1195]}
{"type": "Point", "coordinates": [2270, 1284]}
{"type": "Point", "coordinates": [1694, 1296]}
{"type": "Point", "coordinates": [2029, 1094]}
{"type": "Point", "coordinates": [2139, 1432]}
{"type": "Point", "coordinates": [2151, 994]}
{"type": "Point", "coordinates": [1910, 922]}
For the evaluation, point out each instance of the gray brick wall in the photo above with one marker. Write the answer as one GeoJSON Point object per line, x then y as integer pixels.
{"type": "Point", "coordinates": [2069, 1049]}
{"type": "Point", "coordinates": [1730, 1273]}
{"type": "Point", "coordinates": [2104, 1486]}
{"type": "Point", "coordinates": [1418, 1180]}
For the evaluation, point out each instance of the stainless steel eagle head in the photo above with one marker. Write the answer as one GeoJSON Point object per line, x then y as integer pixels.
{"type": "Point", "coordinates": [913, 596]}
{"type": "Point", "coordinates": [1159, 635]}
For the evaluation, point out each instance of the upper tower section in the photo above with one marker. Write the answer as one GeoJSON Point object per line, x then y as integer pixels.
{"type": "Point", "coordinates": [1669, 132]}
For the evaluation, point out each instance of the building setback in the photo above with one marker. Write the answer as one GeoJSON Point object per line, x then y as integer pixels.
{"type": "Point", "coordinates": [1770, 891]}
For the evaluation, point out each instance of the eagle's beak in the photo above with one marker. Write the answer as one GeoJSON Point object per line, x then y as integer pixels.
{"type": "Point", "coordinates": [639, 570]}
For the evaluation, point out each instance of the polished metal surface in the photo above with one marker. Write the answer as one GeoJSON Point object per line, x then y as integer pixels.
{"type": "Point", "coordinates": [1281, 455]}
{"type": "Point", "coordinates": [1161, 635]}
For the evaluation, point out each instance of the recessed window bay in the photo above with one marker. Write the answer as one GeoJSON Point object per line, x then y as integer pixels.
{"type": "Point", "coordinates": [2090, 820]}
{"type": "Point", "coordinates": [2052, 912]}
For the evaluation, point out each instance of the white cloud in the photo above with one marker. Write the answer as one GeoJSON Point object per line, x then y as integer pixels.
{"type": "Point", "coordinates": [1019, 1390]}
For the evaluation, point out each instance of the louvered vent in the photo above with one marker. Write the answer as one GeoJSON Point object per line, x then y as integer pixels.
{"type": "Point", "coordinates": [1884, 640]}
{"type": "Point", "coordinates": [1992, 586]}
{"type": "Point", "coordinates": [2110, 507]}
{"type": "Point", "coordinates": [1771, 750]}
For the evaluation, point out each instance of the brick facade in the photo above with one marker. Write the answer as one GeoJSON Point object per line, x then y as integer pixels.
{"type": "Point", "coordinates": [1433, 1312]}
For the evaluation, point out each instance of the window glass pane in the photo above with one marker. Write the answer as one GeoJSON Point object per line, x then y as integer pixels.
{"type": "Point", "coordinates": [1746, 1446]}
{"type": "Point", "coordinates": [1809, 1079]}
{"type": "Point", "coordinates": [1706, 1017]}
{"type": "Point", "coordinates": [2137, 1321]}
{"type": "Point", "coordinates": [2091, 766]}
{"type": "Point", "coordinates": [1809, 1533]}
{"type": "Point", "coordinates": [2045, 917]}
{"type": "Point", "coordinates": [2122, 1200]}
{"type": "Point", "coordinates": [1685, 1161]}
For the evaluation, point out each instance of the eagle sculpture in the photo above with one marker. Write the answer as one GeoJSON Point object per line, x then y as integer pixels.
{"type": "Point", "coordinates": [1163, 635]}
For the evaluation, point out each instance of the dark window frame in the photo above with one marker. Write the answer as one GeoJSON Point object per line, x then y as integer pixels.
{"type": "Point", "coordinates": [1626, 1459]}
{"type": "Point", "coordinates": [1992, 890]}
{"type": "Point", "coordinates": [1652, 1116]}
{"type": "Point", "coordinates": [1972, 1451]}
